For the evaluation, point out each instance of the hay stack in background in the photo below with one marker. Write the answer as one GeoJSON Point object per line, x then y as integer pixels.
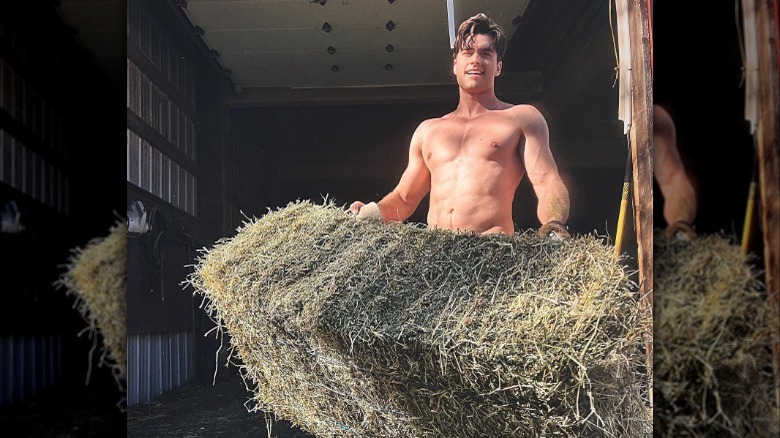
{"type": "Point", "coordinates": [350, 328]}
{"type": "Point", "coordinates": [712, 341]}
{"type": "Point", "coordinates": [97, 277]}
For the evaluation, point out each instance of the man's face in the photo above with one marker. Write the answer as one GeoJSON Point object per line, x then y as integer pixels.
{"type": "Point", "coordinates": [477, 65]}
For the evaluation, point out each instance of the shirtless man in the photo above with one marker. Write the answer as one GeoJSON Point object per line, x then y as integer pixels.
{"type": "Point", "coordinates": [473, 159]}
{"type": "Point", "coordinates": [669, 172]}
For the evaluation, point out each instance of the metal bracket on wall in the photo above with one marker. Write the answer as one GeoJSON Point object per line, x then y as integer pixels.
{"type": "Point", "coordinates": [10, 218]}
{"type": "Point", "coordinates": [137, 223]}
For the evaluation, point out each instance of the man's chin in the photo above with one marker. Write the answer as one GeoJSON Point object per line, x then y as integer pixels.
{"type": "Point", "coordinates": [474, 85]}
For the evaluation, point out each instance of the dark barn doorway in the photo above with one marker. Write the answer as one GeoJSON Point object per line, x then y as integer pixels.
{"type": "Point", "coordinates": [61, 123]}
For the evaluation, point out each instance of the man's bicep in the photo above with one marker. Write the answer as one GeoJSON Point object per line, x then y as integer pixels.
{"type": "Point", "coordinates": [537, 156]}
{"type": "Point", "coordinates": [415, 181]}
{"type": "Point", "coordinates": [666, 162]}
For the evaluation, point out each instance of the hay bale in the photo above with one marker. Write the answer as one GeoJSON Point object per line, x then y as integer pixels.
{"type": "Point", "coordinates": [712, 341]}
{"type": "Point", "coordinates": [350, 328]}
{"type": "Point", "coordinates": [96, 276]}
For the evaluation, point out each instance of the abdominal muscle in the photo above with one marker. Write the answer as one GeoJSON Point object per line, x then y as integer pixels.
{"type": "Point", "coordinates": [473, 194]}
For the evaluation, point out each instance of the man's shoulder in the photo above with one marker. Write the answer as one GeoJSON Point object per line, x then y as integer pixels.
{"type": "Point", "coordinates": [524, 109]}
{"type": "Point", "coordinates": [432, 122]}
{"type": "Point", "coordinates": [526, 115]}
{"type": "Point", "coordinates": [444, 117]}
{"type": "Point", "coordinates": [427, 123]}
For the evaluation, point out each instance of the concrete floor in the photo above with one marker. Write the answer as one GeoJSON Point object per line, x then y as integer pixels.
{"type": "Point", "coordinates": [198, 411]}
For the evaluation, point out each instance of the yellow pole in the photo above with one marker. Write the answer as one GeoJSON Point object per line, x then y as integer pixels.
{"type": "Point", "coordinates": [623, 208]}
{"type": "Point", "coordinates": [747, 225]}
{"type": "Point", "coordinates": [748, 218]}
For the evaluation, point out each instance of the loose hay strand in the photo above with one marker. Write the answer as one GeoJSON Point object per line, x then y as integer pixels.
{"type": "Point", "coordinates": [96, 276]}
{"type": "Point", "coordinates": [350, 328]}
{"type": "Point", "coordinates": [712, 353]}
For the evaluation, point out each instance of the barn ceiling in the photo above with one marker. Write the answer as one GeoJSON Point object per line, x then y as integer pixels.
{"type": "Point", "coordinates": [100, 27]}
{"type": "Point", "coordinates": [276, 51]}
{"type": "Point", "coordinates": [273, 46]}
{"type": "Point", "coordinates": [337, 43]}
{"type": "Point", "coordinates": [561, 56]}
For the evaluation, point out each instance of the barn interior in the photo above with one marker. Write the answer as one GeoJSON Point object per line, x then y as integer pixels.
{"type": "Point", "coordinates": [700, 77]}
{"type": "Point", "coordinates": [235, 108]}
{"type": "Point", "coordinates": [702, 85]}
{"type": "Point", "coordinates": [61, 127]}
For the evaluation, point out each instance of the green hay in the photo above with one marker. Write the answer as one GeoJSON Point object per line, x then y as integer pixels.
{"type": "Point", "coordinates": [349, 328]}
{"type": "Point", "coordinates": [712, 353]}
{"type": "Point", "coordinates": [97, 277]}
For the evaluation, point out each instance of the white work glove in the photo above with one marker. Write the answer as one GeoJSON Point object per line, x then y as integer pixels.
{"type": "Point", "coordinates": [368, 211]}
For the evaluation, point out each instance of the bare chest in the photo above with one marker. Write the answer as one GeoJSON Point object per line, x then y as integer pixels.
{"type": "Point", "coordinates": [490, 139]}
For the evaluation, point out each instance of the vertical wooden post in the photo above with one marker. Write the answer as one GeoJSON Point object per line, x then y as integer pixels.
{"type": "Point", "coordinates": [769, 160]}
{"type": "Point", "coordinates": [642, 157]}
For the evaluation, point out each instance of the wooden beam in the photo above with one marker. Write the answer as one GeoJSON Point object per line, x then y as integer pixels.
{"type": "Point", "coordinates": [769, 161]}
{"type": "Point", "coordinates": [515, 86]}
{"type": "Point", "coordinates": [265, 97]}
{"type": "Point", "coordinates": [641, 156]}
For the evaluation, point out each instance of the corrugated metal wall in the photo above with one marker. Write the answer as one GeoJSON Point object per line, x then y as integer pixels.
{"type": "Point", "coordinates": [28, 364]}
{"type": "Point", "coordinates": [156, 173]}
{"type": "Point", "coordinates": [23, 168]}
{"type": "Point", "coordinates": [33, 146]}
{"type": "Point", "coordinates": [162, 161]}
{"type": "Point", "coordinates": [157, 363]}
{"type": "Point", "coordinates": [161, 86]}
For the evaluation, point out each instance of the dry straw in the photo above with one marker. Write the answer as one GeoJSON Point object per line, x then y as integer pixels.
{"type": "Point", "coordinates": [97, 277]}
{"type": "Point", "coordinates": [712, 341]}
{"type": "Point", "coordinates": [362, 329]}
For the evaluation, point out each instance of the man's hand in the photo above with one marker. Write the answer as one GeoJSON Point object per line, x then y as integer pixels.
{"type": "Point", "coordinates": [355, 207]}
{"type": "Point", "coordinates": [368, 211]}
{"type": "Point", "coordinates": [681, 230]}
{"type": "Point", "coordinates": [556, 230]}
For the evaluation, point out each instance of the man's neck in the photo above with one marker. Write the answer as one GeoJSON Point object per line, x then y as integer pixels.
{"type": "Point", "coordinates": [474, 104]}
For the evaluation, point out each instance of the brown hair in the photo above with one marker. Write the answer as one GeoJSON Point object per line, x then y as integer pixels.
{"type": "Point", "coordinates": [479, 24]}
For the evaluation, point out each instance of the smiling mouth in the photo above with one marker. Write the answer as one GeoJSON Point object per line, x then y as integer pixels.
{"type": "Point", "coordinates": [474, 73]}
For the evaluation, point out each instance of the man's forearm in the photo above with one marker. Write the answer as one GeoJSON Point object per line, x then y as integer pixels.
{"type": "Point", "coordinates": [395, 208]}
{"type": "Point", "coordinates": [679, 200]}
{"type": "Point", "coordinates": [680, 204]}
{"type": "Point", "coordinates": [554, 204]}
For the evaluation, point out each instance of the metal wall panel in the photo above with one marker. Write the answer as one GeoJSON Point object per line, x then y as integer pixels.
{"type": "Point", "coordinates": [165, 182]}
{"type": "Point", "coordinates": [146, 166]}
{"type": "Point", "coordinates": [156, 186]}
{"type": "Point", "coordinates": [157, 363]}
{"type": "Point", "coordinates": [153, 171]}
{"type": "Point", "coordinates": [28, 364]}
{"type": "Point", "coordinates": [160, 111]}
{"type": "Point", "coordinates": [2, 84]}
{"type": "Point", "coordinates": [26, 171]}
{"type": "Point", "coordinates": [133, 158]}
{"type": "Point", "coordinates": [167, 105]}
{"type": "Point", "coordinates": [23, 168]}
{"type": "Point", "coordinates": [6, 160]}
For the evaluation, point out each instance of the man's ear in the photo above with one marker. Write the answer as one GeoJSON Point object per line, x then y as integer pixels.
{"type": "Point", "coordinates": [454, 68]}
{"type": "Point", "coordinates": [498, 69]}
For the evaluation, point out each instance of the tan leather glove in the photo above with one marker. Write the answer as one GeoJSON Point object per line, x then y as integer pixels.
{"type": "Point", "coordinates": [680, 230]}
{"type": "Point", "coordinates": [556, 230]}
